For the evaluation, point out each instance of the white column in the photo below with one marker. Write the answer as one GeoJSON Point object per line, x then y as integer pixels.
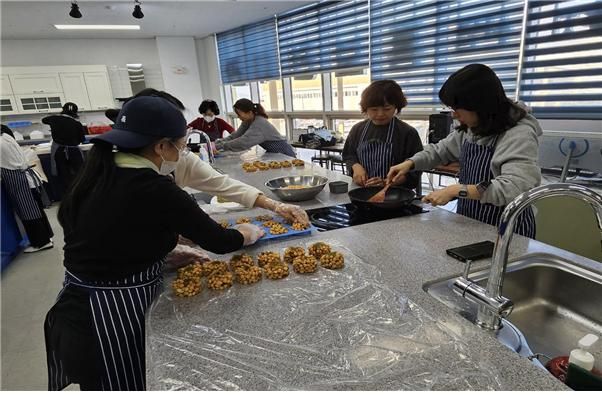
{"type": "Point", "coordinates": [180, 69]}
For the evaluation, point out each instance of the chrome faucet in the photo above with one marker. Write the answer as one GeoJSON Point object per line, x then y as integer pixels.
{"type": "Point", "coordinates": [207, 141]}
{"type": "Point", "coordinates": [492, 305]}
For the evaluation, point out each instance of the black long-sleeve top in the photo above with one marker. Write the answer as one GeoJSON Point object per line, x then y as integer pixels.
{"type": "Point", "coordinates": [136, 224]}
{"type": "Point", "coordinates": [406, 142]}
{"type": "Point", "coordinates": [65, 130]}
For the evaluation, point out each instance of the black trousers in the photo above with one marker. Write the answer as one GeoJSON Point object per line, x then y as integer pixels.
{"type": "Point", "coordinates": [67, 169]}
{"type": "Point", "coordinates": [39, 230]}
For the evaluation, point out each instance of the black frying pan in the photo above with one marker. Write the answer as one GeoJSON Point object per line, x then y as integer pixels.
{"type": "Point", "coordinates": [396, 197]}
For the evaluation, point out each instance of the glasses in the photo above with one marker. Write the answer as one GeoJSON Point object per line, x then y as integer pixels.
{"type": "Point", "coordinates": [184, 150]}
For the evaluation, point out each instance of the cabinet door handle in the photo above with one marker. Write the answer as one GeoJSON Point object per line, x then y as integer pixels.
{"type": "Point", "coordinates": [39, 91]}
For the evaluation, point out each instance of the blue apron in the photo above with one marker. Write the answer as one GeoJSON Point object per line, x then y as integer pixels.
{"type": "Point", "coordinates": [279, 147]}
{"type": "Point", "coordinates": [475, 167]}
{"type": "Point", "coordinates": [118, 310]}
{"type": "Point", "coordinates": [374, 155]}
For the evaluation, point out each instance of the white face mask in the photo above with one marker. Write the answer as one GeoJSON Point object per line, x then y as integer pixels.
{"type": "Point", "coordinates": [209, 118]}
{"type": "Point", "coordinates": [169, 166]}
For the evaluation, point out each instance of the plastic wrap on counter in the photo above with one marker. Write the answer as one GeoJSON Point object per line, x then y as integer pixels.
{"type": "Point", "coordinates": [330, 330]}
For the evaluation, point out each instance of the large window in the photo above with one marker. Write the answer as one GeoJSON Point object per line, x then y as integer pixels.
{"type": "Point", "coordinates": [307, 93]}
{"type": "Point", "coordinates": [342, 127]}
{"type": "Point", "coordinates": [300, 123]}
{"type": "Point", "coordinates": [347, 88]}
{"type": "Point", "coordinates": [240, 91]}
{"type": "Point", "coordinates": [279, 123]}
{"type": "Point", "coordinates": [271, 95]}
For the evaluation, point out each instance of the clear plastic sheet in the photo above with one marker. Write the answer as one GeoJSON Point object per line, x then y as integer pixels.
{"type": "Point", "coordinates": [330, 330]}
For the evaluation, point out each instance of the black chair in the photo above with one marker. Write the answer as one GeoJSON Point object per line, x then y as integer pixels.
{"type": "Point", "coordinates": [322, 159]}
{"type": "Point", "coordinates": [337, 161]}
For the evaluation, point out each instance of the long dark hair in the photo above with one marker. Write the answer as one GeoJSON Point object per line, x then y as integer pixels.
{"type": "Point", "coordinates": [477, 88]}
{"type": "Point", "coordinates": [94, 179]}
{"type": "Point", "coordinates": [247, 105]}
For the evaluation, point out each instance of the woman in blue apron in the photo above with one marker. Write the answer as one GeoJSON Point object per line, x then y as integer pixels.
{"type": "Point", "coordinates": [66, 158]}
{"type": "Point", "coordinates": [121, 217]}
{"type": "Point", "coordinates": [382, 140]}
{"type": "Point", "coordinates": [26, 193]}
{"type": "Point", "coordinates": [254, 130]}
{"type": "Point", "coordinates": [496, 144]}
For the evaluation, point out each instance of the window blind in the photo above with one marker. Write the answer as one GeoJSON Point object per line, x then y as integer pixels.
{"type": "Point", "coordinates": [249, 52]}
{"type": "Point", "coordinates": [562, 64]}
{"type": "Point", "coordinates": [420, 43]}
{"type": "Point", "coordinates": [324, 36]}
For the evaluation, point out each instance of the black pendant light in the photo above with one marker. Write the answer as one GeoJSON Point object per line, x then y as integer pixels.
{"type": "Point", "coordinates": [137, 10]}
{"type": "Point", "coordinates": [75, 13]}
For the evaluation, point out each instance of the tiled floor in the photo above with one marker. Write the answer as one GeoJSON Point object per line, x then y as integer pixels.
{"type": "Point", "coordinates": [29, 287]}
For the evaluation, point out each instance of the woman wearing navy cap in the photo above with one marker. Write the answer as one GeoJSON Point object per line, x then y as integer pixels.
{"type": "Point", "coordinates": [120, 219]}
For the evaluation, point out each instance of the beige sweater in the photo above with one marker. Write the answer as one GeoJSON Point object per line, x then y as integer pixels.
{"type": "Point", "coordinates": [192, 172]}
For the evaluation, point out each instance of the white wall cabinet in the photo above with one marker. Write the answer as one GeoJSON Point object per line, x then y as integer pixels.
{"type": "Point", "coordinates": [29, 90]}
{"type": "Point", "coordinates": [74, 90]}
{"type": "Point", "coordinates": [8, 104]}
{"type": "Point", "coordinates": [7, 90]}
{"type": "Point", "coordinates": [40, 102]}
{"type": "Point", "coordinates": [35, 83]}
{"type": "Point", "coordinates": [99, 90]}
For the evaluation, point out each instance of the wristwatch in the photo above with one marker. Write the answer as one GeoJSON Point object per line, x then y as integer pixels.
{"type": "Point", "coordinates": [463, 191]}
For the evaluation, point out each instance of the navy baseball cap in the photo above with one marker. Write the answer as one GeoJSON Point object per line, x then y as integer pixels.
{"type": "Point", "coordinates": [142, 121]}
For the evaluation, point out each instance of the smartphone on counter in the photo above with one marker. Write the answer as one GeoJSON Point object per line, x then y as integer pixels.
{"type": "Point", "coordinates": [472, 252]}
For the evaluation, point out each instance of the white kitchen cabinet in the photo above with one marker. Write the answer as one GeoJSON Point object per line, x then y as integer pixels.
{"type": "Point", "coordinates": [8, 104]}
{"type": "Point", "coordinates": [24, 84]}
{"type": "Point", "coordinates": [99, 90]}
{"type": "Point", "coordinates": [7, 90]}
{"type": "Point", "coordinates": [40, 102]}
{"type": "Point", "coordinates": [74, 90]}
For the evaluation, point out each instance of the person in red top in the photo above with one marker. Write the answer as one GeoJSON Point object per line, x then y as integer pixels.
{"type": "Point", "coordinates": [209, 122]}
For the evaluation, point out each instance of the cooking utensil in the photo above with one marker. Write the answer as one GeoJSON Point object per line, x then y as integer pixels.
{"type": "Point", "coordinates": [312, 185]}
{"type": "Point", "coordinates": [395, 198]}
{"type": "Point", "coordinates": [379, 197]}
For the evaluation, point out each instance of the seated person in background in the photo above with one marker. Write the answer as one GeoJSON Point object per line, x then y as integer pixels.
{"type": "Point", "coordinates": [66, 158]}
{"type": "Point", "coordinates": [382, 140]}
{"type": "Point", "coordinates": [254, 130]}
{"type": "Point", "coordinates": [209, 122]}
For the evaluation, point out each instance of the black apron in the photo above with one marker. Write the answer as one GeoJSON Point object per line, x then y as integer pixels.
{"type": "Point", "coordinates": [475, 167]}
{"type": "Point", "coordinates": [279, 147]}
{"type": "Point", "coordinates": [115, 321]}
{"type": "Point", "coordinates": [374, 155]}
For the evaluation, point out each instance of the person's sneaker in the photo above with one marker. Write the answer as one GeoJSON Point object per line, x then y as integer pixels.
{"type": "Point", "coordinates": [36, 249]}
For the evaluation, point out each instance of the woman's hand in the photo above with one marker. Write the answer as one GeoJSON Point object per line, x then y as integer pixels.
{"type": "Point", "coordinates": [183, 255]}
{"type": "Point", "coordinates": [250, 232]}
{"type": "Point", "coordinates": [375, 182]}
{"type": "Point", "coordinates": [359, 175]}
{"type": "Point", "coordinates": [397, 174]}
{"type": "Point", "coordinates": [292, 213]}
{"type": "Point", "coordinates": [442, 196]}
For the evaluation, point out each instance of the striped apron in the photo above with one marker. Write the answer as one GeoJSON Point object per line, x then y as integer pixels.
{"type": "Point", "coordinates": [278, 147]}
{"type": "Point", "coordinates": [117, 318]}
{"type": "Point", "coordinates": [19, 191]}
{"type": "Point", "coordinates": [374, 155]}
{"type": "Point", "coordinates": [475, 167]}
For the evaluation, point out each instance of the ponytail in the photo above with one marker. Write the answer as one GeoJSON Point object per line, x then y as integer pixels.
{"type": "Point", "coordinates": [247, 105]}
{"type": "Point", "coordinates": [94, 179]}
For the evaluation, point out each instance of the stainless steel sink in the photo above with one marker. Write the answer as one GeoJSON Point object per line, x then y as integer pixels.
{"type": "Point", "coordinates": [555, 302]}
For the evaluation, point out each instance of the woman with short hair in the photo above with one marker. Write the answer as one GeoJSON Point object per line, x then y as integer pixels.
{"type": "Point", "coordinates": [209, 122]}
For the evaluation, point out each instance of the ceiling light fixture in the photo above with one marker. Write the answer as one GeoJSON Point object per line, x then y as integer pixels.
{"type": "Point", "coordinates": [137, 10]}
{"type": "Point", "coordinates": [75, 13]}
{"type": "Point", "coordinates": [97, 27]}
